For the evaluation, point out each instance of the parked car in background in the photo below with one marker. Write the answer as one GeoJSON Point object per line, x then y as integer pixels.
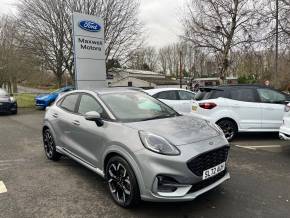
{"type": "Point", "coordinates": [45, 100]}
{"type": "Point", "coordinates": [285, 128]}
{"type": "Point", "coordinates": [142, 147]}
{"type": "Point", "coordinates": [8, 104]}
{"type": "Point", "coordinates": [242, 108]}
{"type": "Point", "coordinates": [179, 99]}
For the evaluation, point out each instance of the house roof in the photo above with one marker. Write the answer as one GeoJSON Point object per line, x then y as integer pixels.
{"type": "Point", "coordinates": [135, 72]}
{"type": "Point", "coordinates": [159, 81]}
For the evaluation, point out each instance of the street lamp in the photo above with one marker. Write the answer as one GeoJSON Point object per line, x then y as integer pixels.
{"type": "Point", "coordinates": [277, 42]}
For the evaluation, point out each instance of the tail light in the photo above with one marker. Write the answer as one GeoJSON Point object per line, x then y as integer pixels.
{"type": "Point", "coordinates": [287, 108]}
{"type": "Point", "coordinates": [207, 105]}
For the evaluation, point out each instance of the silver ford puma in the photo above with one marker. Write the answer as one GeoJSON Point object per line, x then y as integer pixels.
{"type": "Point", "coordinates": [144, 149]}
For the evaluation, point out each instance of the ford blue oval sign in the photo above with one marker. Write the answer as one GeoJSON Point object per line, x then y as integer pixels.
{"type": "Point", "coordinates": [90, 26]}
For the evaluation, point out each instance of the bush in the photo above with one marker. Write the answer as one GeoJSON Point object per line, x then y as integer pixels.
{"type": "Point", "coordinates": [249, 79]}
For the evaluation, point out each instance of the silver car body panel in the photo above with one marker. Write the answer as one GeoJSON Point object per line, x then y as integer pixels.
{"type": "Point", "coordinates": [89, 145]}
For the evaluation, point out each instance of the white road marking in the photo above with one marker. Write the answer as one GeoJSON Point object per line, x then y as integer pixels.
{"type": "Point", "coordinates": [258, 146]}
{"type": "Point", "coordinates": [266, 146]}
{"type": "Point", "coordinates": [247, 147]}
{"type": "Point", "coordinates": [17, 160]}
{"type": "Point", "coordinates": [3, 188]}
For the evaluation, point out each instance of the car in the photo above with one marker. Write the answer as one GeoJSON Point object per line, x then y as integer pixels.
{"type": "Point", "coordinates": [45, 100]}
{"type": "Point", "coordinates": [8, 104]}
{"type": "Point", "coordinates": [241, 108]}
{"type": "Point", "coordinates": [284, 132]}
{"type": "Point", "coordinates": [143, 148]}
{"type": "Point", "coordinates": [179, 99]}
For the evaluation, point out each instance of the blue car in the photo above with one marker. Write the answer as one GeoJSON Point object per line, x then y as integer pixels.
{"type": "Point", "coordinates": [43, 101]}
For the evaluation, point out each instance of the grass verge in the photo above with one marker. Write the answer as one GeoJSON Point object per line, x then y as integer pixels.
{"type": "Point", "coordinates": [25, 100]}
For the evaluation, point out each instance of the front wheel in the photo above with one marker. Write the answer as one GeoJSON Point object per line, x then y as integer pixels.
{"type": "Point", "coordinates": [122, 182]}
{"type": "Point", "coordinates": [229, 128]}
{"type": "Point", "coordinates": [49, 146]}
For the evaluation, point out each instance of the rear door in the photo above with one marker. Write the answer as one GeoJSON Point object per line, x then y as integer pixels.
{"type": "Point", "coordinates": [272, 104]}
{"type": "Point", "coordinates": [64, 118]}
{"type": "Point", "coordinates": [245, 103]}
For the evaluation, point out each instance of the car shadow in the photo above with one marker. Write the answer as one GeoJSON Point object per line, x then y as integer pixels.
{"type": "Point", "coordinates": [256, 136]}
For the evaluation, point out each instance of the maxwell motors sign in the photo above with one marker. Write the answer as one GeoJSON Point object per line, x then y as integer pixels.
{"type": "Point", "coordinates": [89, 51]}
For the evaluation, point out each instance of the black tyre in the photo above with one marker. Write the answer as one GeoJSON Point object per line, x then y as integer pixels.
{"type": "Point", "coordinates": [229, 128]}
{"type": "Point", "coordinates": [49, 146]}
{"type": "Point", "coordinates": [122, 182]}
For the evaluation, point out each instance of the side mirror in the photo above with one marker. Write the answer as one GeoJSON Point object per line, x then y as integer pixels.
{"type": "Point", "coordinates": [94, 116]}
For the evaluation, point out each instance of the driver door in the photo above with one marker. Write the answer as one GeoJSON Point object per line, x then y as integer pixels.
{"type": "Point", "coordinates": [90, 138]}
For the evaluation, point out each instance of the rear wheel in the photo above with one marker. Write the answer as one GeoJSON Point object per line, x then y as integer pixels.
{"type": "Point", "coordinates": [49, 146]}
{"type": "Point", "coordinates": [122, 182]}
{"type": "Point", "coordinates": [229, 128]}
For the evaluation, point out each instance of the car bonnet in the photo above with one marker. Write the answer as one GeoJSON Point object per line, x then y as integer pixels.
{"type": "Point", "coordinates": [181, 130]}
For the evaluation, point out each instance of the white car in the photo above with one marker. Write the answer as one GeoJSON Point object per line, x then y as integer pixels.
{"type": "Point", "coordinates": [179, 99]}
{"type": "Point", "coordinates": [285, 128]}
{"type": "Point", "coordinates": [241, 108]}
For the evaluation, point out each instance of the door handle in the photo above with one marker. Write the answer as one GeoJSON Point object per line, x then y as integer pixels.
{"type": "Point", "coordinates": [55, 115]}
{"type": "Point", "coordinates": [76, 122]}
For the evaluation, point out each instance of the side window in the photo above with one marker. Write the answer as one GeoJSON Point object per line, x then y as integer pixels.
{"type": "Point", "coordinates": [69, 102]}
{"type": "Point", "coordinates": [89, 103]}
{"type": "Point", "coordinates": [271, 96]}
{"type": "Point", "coordinates": [167, 95]}
{"type": "Point", "coordinates": [243, 94]}
{"type": "Point", "coordinates": [219, 94]}
{"type": "Point", "coordinates": [183, 95]}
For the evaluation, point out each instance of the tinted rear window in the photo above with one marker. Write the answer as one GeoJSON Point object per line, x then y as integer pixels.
{"type": "Point", "coordinates": [210, 94]}
{"type": "Point", "coordinates": [243, 94]}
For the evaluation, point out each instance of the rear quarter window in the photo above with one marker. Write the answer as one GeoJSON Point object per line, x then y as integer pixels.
{"type": "Point", "coordinates": [210, 94]}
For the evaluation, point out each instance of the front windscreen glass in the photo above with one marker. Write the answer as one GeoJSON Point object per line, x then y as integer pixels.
{"type": "Point", "coordinates": [136, 106]}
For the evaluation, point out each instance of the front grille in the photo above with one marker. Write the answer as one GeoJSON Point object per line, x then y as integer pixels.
{"type": "Point", "coordinates": [208, 160]}
{"type": "Point", "coordinates": [4, 107]}
{"type": "Point", "coordinates": [205, 183]}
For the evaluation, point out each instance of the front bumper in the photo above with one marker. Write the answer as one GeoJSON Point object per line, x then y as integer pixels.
{"type": "Point", "coordinates": [41, 103]}
{"type": "Point", "coordinates": [188, 185]}
{"type": "Point", "coordinates": [8, 107]}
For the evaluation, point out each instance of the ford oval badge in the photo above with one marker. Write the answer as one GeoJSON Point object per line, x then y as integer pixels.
{"type": "Point", "coordinates": [90, 26]}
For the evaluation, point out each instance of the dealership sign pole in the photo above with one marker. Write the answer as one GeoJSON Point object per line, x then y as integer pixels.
{"type": "Point", "coordinates": [89, 51]}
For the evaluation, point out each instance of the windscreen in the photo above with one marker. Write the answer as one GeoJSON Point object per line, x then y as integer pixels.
{"type": "Point", "coordinates": [136, 106]}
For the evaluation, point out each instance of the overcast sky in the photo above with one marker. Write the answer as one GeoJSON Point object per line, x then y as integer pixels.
{"type": "Point", "coordinates": [158, 16]}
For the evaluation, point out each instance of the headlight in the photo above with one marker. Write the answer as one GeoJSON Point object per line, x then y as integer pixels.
{"type": "Point", "coordinates": [12, 99]}
{"type": "Point", "coordinates": [157, 144]}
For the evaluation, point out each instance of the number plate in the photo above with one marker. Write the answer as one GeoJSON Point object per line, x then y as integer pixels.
{"type": "Point", "coordinates": [194, 108]}
{"type": "Point", "coordinates": [214, 171]}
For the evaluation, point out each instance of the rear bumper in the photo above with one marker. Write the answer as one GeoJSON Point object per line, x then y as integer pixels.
{"type": "Point", "coordinates": [284, 133]}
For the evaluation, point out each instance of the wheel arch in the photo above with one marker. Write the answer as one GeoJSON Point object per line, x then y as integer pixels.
{"type": "Point", "coordinates": [230, 119]}
{"type": "Point", "coordinates": [121, 152]}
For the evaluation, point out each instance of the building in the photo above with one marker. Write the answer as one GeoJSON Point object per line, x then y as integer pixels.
{"type": "Point", "coordinates": [139, 78]}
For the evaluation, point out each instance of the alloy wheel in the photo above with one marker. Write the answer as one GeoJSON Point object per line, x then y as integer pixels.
{"type": "Point", "coordinates": [119, 182]}
{"type": "Point", "coordinates": [48, 143]}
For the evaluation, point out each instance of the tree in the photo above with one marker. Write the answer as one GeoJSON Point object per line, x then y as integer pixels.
{"type": "Point", "coordinates": [219, 26]}
{"type": "Point", "coordinates": [144, 59]}
{"type": "Point", "coordinates": [15, 63]}
{"type": "Point", "coordinates": [48, 29]}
